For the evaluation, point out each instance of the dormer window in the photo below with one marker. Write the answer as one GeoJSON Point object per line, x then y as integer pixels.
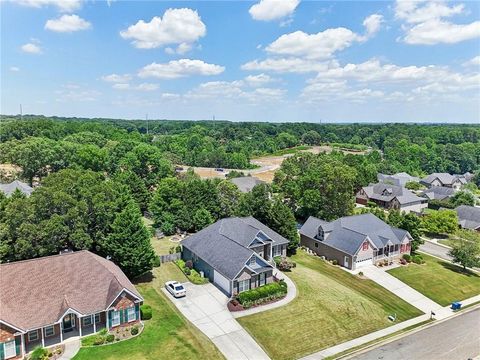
{"type": "Point", "coordinates": [321, 234]}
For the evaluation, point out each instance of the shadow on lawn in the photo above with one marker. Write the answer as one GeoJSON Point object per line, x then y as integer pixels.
{"type": "Point", "coordinates": [457, 269]}
{"type": "Point", "coordinates": [145, 278]}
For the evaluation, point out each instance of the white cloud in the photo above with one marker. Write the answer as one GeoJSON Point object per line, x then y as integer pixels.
{"type": "Point", "coordinates": [121, 86]}
{"type": "Point", "coordinates": [425, 23]}
{"type": "Point", "coordinates": [115, 78]}
{"type": "Point", "coordinates": [14, 69]}
{"type": "Point", "coordinates": [181, 49]}
{"type": "Point", "coordinates": [472, 62]}
{"type": "Point", "coordinates": [77, 95]}
{"type": "Point", "coordinates": [31, 48]}
{"type": "Point", "coordinates": [372, 24]}
{"type": "Point", "coordinates": [285, 65]}
{"type": "Point", "coordinates": [267, 10]}
{"type": "Point", "coordinates": [67, 23]}
{"type": "Point", "coordinates": [146, 87]}
{"type": "Point", "coordinates": [178, 26]}
{"type": "Point", "coordinates": [258, 80]}
{"type": "Point", "coordinates": [180, 68]}
{"type": "Point", "coordinates": [62, 5]}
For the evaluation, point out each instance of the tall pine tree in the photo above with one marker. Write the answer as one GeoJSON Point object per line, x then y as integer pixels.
{"type": "Point", "coordinates": [128, 244]}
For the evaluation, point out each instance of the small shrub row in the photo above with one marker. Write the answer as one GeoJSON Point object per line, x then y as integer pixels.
{"type": "Point", "coordinates": [418, 259]}
{"type": "Point", "coordinates": [283, 264]}
{"type": "Point", "coordinates": [262, 294]}
{"type": "Point", "coordinates": [192, 274]}
{"type": "Point", "coordinates": [145, 312]}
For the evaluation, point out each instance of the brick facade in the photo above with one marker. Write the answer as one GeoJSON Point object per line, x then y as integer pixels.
{"type": "Point", "coordinates": [7, 334]}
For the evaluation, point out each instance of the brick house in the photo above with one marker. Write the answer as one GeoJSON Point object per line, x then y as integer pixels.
{"type": "Point", "coordinates": [47, 300]}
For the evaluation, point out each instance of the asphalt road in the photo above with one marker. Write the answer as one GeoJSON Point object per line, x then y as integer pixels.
{"type": "Point", "coordinates": [454, 339]}
{"type": "Point", "coordinates": [437, 250]}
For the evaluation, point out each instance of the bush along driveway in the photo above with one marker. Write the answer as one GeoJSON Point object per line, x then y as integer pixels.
{"type": "Point", "coordinates": [332, 306]}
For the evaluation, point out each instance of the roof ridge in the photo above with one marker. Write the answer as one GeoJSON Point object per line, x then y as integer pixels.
{"type": "Point", "coordinates": [227, 237]}
{"type": "Point", "coordinates": [44, 257]}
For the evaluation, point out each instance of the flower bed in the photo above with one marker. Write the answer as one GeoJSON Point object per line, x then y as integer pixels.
{"type": "Point", "coordinates": [51, 353]}
{"type": "Point", "coordinates": [105, 337]}
{"type": "Point", "coordinates": [190, 272]}
{"type": "Point", "coordinates": [260, 296]}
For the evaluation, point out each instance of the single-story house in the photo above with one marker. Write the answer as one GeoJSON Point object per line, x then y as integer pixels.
{"type": "Point", "coordinates": [355, 241]}
{"type": "Point", "coordinates": [246, 183]}
{"type": "Point", "coordinates": [444, 179]}
{"type": "Point", "coordinates": [398, 179]}
{"type": "Point", "coordinates": [47, 300]}
{"type": "Point", "coordinates": [235, 254]}
{"type": "Point", "coordinates": [9, 189]}
{"type": "Point", "coordinates": [391, 197]}
{"type": "Point", "coordinates": [438, 193]}
{"type": "Point", "coordinates": [468, 217]}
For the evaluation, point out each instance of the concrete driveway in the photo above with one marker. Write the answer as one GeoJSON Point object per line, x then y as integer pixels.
{"type": "Point", "coordinates": [206, 307]}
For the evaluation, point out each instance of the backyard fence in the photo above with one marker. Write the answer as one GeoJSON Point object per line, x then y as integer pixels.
{"type": "Point", "coordinates": [170, 257]}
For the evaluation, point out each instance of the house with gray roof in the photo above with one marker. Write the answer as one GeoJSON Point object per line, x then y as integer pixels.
{"type": "Point", "coordinates": [9, 189]}
{"type": "Point", "coordinates": [468, 217]}
{"type": "Point", "coordinates": [391, 197]}
{"type": "Point", "coordinates": [235, 254]}
{"type": "Point", "coordinates": [438, 193]}
{"type": "Point", "coordinates": [355, 241]}
{"type": "Point", "coordinates": [444, 179]}
{"type": "Point", "coordinates": [246, 183]}
{"type": "Point", "coordinates": [398, 179]}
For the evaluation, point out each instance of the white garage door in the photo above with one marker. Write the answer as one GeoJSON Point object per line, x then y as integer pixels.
{"type": "Point", "coordinates": [363, 263]}
{"type": "Point", "coordinates": [221, 281]}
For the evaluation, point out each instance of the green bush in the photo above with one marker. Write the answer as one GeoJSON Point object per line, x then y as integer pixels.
{"type": "Point", "coordinates": [110, 338]}
{"type": "Point", "coordinates": [263, 293]}
{"type": "Point", "coordinates": [418, 259]}
{"type": "Point", "coordinates": [156, 261]}
{"type": "Point", "coordinates": [146, 312]}
{"type": "Point", "coordinates": [134, 330]}
{"type": "Point", "coordinates": [104, 331]}
{"type": "Point", "coordinates": [178, 249]}
{"type": "Point", "coordinates": [335, 262]}
{"type": "Point", "coordinates": [407, 257]}
{"type": "Point", "coordinates": [187, 271]}
{"type": "Point", "coordinates": [99, 340]}
{"type": "Point", "coordinates": [39, 353]}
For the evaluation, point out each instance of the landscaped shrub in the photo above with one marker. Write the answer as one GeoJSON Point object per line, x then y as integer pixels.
{"type": "Point", "coordinates": [283, 264]}
{"type": "Point", "coordinates": [187, 271]}
{"type": "Point", "coordinates": [39, 353]}
{"type": "Point", "coordinates": [178, 249]}
{"type": "Point", "coordinates": [262, 294]}
{"type": "Point", "coordinates": [335, 262]}
{"type": "Point", "coordinates": [189, 264]}
{"type": "Point", "coordinates": [403, 262]}
{"type": "Point", "coordinates": [99, 340]}
{"type": "Point", "coordinates": [418, 259]}
{"type": "Point", "coordinates": [134, 330]}
{"type": "Point", "coordinates": [407, 257]}
{"type": "Point", "coordinates": [156, 262]}
{"type": "Point", "coordinates": [360, 273]}
{"type": "Point", "coordinates": [110, 338]}
{"type": "Point", "coordinates": [145, 312]}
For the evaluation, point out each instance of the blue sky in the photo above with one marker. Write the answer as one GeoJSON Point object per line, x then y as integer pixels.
{"type": "Point", "coordinates": [269, 60]}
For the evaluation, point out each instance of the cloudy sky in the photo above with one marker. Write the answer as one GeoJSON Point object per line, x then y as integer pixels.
{"type": "Point", "coordinates": [272, 60]}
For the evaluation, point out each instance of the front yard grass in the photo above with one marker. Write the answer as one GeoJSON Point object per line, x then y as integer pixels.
{"type": "Point", "coordinates": [439, 280]}
{"type": "Point", "coordinates": [332, 306]}
{"type": "Point", "coordinates": [166, 336]}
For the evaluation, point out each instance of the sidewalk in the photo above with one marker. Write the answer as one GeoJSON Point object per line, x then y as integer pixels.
{"type": "Point", "coordinates": [72, 346]}
{"type": "Point", "coordinates": [291, 294]}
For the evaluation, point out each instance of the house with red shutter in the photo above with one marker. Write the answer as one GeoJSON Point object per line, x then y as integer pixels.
{"type": "Point", "coordinates": [355, 241]}
{"type": "Point", "coordinates": [47, 300]}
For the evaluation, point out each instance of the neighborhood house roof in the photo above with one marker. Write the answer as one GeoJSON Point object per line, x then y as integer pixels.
{"type": "Point", "coordinates": [387, 192]}
{"type": "Point", "coordinates": [37, 292]}
{"type": "Point", "coordinates": [398, 179]}
{"type": "Point", "coordinates": [246, 183]}
{"type": "Point", "coordinates": [468, 216]}
{"type": "Point", "coordinates": [349, 233]}
{"type": "Point", "coordinates": [224, 244]}
{"type": "Point", "coordinates": [438, 193]}
{"type": "Point", "coordinates": [444, 178]}
{"type": "Point", "coordinates": [10, 188]}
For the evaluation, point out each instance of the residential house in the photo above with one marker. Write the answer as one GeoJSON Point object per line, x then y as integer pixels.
{"type": "Point", "coordinates": [246, 183]}
{"type": "Point", "coordinates": [444, 179]}
{"type": "Point", "coordinates": [47, 300]}
{"type": "Point", "coordinates": [438, 193]}
{"type": "Point", "coordinates": [355, 241]}
{"type": "Point", "coordinates": [235, 254]}
{"type": "Point", "coordinates": [468, 217]}
{"type": "Point", "coordinates": [398, 179]}
{"type": "Point", "coordinates": [391, 197]}
{"type": "Point", "coordinates": [9, 189]}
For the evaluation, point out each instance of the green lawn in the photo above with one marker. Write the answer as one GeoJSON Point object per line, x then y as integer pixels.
{"type": "Point", "coordinates": [332, 306]}
{"type": "Point", "coordinates": [166, 336]}
{"type": "Point", "coordinates": [439, 280]}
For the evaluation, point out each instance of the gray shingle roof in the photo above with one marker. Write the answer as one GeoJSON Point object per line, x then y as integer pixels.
{"type": "Point", "coordinates": [468, 216]}
{"type": "Point", "coordinates": [444, 178]}
{"type": "Point", "coordinates": [438, 193]}
{"type": "Point", "coordinates": [399, 179]}
{"type": "Point", "coordinates": [224, 244]}
{"type": "Point", "coordinates": [387, 192]}
{"type": "Point", "coordinates": [10, 188]}
{"type": "Point", "coordinates": [348, 233]}
{"type": "Point", "coordinates": [246, 183]}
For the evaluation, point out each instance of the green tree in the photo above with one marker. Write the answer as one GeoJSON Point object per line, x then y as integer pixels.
{"type": "Point", "coordinates": [128, 243]}
{"type": "Point", "coordinates": [282, 220]}
{"type": "Point", "coordinates": [311, 138]}
{"type": "Point", "coordinates": [463, 198]}
{"type": "Point", "coordinates": [466, 253]}
{"type": "Point", "coordinates": [228, 198]}
{"type": "Point", "coordinates": [440, 222]}
{"type": "Point", "coordinates": [201, 219]}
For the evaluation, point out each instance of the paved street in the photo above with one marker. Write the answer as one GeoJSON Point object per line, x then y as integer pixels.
{"type": "Point", "coordinates": [436, 250]}
{"type": "Point", "coordinates": [454, 339]}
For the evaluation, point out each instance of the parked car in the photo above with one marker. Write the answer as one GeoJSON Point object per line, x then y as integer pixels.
{"type": "Point", "coordinates": [219, 169]}
{"type": "Point", "coordinates": [176, 289]}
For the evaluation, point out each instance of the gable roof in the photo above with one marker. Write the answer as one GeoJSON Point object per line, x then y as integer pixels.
{"type": "Point", "coordinates": [399, 179]}
{"type": "Point", "coordinates": [438, 193]}
{"type": "Point", "coordinates": [246, 183]}
{"type": "Point", "coordinates": [37, 292]}
{"type": "Point", "coordinates": [468, 216]}
{"type": "Point", "coordinates": [387, 192]}
{"type": "Point", "coordinates": [10, 188]}
{"type": "Point", "coordinates": [224, 244]}
{"type": "Point", "coordinates": [444, 178]}
{"type": "Point", "coordinates": [348, 233]}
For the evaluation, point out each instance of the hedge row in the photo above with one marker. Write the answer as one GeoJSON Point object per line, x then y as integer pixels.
{"type": "Point", "coordinates": [262, 294]}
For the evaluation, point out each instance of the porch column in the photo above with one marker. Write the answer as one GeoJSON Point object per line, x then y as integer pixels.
{"type": "Point", "coordinates": [80, 325]}
{"type": "Point", "coordinates": [24, 349]}
{"type": "Point", "coordinates": [61, 330]}
{"type": "Point", "coordinates": [94, 324]}
{"type": "Point", "coordinates": [43, 337]}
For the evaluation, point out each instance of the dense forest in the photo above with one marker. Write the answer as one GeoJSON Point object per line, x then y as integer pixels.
{"type": "Point", "coordinates": [98, 176]}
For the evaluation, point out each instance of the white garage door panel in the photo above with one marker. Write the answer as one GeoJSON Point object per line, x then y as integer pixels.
{"type": "Point", "coordinates": [363, 263]}
{"type": "Point", "coordinates": [221, 281]}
